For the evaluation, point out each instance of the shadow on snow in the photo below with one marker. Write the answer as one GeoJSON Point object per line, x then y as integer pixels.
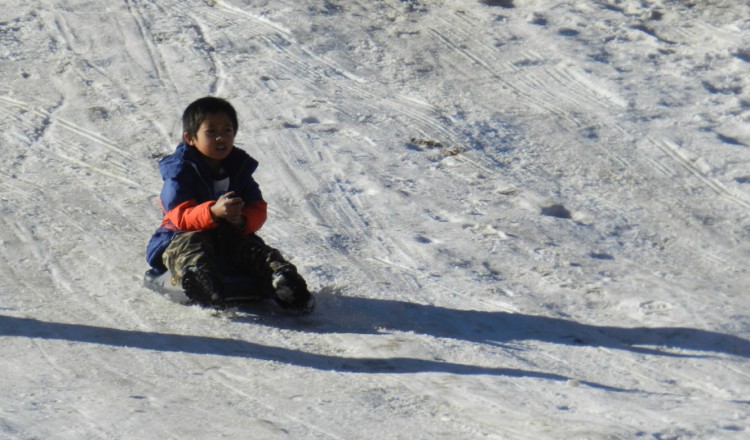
{"type": "Point", "coordinates": [205, 345]}
{"type": "Point", "coordinates": [342, 314]}
{"type": "Point", "coordinates": [345, 314]}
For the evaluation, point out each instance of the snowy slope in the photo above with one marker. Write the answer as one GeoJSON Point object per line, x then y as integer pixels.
{"type": "Point", "coordinates": [524, 219]}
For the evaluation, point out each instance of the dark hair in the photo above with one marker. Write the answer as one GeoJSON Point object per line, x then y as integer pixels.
{"type": "Point", "coordinates": [196, 113]}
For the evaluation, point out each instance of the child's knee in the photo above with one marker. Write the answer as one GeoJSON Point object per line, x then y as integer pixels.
{"type": "Point", "coordinates": [189, 249]}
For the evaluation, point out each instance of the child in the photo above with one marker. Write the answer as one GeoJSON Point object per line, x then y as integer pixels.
{"type": "Point", "coordinates": [212, 208]}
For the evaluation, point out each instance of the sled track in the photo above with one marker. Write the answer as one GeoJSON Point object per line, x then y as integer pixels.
{"type": "Point", "coordinates": [697, 168]}
{"type": "Point", "coordinates": [155, 59]}
{"type": "Point", "coordinates": [83, 58]}
{"type": "Point", "coordinates": [75, 153]}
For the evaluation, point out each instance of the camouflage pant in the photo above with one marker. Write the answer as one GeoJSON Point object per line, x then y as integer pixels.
{"type": "Point", "coordinates": [223, 251]}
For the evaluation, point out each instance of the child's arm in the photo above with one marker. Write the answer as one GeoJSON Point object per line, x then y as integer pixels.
{"type": "Point", "coordinates": [255, 211]}
{"type": "Point", "coordinates": [255, 214]}
{"type": "Point", "coordinates": [229, 208]}
{"type": "Point", "coordinates": [190, 216]}
{"type": "Point", "coordinates": [182, 211]}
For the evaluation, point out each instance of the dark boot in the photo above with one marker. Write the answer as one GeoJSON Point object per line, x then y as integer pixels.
{"type": "Point", "coordinates": [277, 275]}
{"type": "Point", "coordinates": [202, 287]}
{"type": "Point", "coordinates": [291, 289]}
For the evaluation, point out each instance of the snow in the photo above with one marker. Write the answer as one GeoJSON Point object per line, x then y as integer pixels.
{"type": "Point", "coordinates": [523, 219]}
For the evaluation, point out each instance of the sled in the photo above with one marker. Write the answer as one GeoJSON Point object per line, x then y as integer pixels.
{"type": "Point", "coordinates": [238, 289]}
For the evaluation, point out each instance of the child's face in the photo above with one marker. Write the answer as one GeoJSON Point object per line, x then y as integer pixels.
{"type": "Point", "coordinates": [214, 139]}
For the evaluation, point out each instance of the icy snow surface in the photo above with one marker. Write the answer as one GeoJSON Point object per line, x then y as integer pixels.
{"type": "Point", "coordinates": [523, 219]}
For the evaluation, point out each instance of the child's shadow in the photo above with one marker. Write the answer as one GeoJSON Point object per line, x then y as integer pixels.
{"type": "Point", "coordinates": [345, 314]}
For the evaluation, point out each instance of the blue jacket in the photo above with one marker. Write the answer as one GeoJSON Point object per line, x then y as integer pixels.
{"type": "Point", "coordinates": [188, 194]}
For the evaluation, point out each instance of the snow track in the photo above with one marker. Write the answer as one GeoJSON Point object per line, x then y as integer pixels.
{"type": "Point", "coordinates": [522, 219]}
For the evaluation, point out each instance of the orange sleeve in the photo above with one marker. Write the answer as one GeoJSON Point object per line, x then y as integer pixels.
{"type": "Point", "coordinates": [255, 215]}
{"type": "Point", "coordinates": [190, 216]}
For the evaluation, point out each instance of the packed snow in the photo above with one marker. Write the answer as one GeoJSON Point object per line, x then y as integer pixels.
{"type": "Point", "coordinates": [523, 219]}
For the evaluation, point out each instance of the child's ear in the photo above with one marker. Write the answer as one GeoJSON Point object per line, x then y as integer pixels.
{"type": "Point", "coordinates": [188, 139]}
